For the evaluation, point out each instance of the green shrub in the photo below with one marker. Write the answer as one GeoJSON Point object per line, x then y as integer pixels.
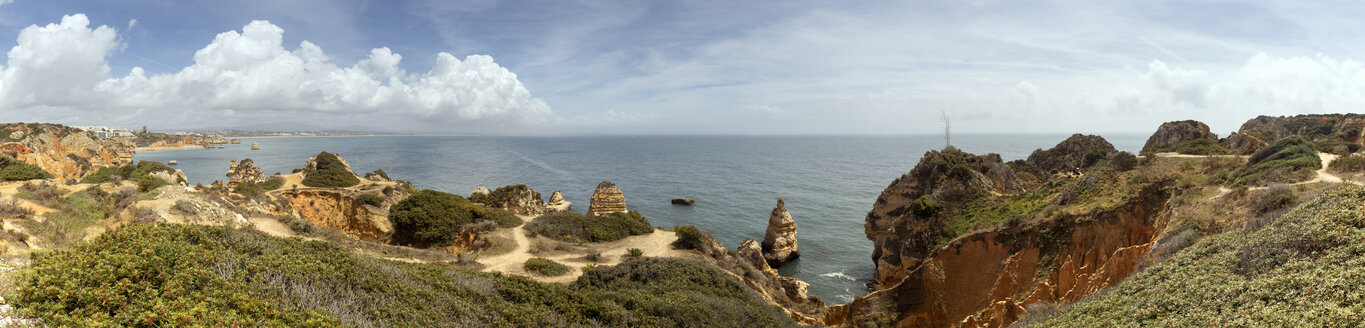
{"type": "Point", "coordinates": [1197, 147]}
{"type": "Point", "coordinates": [635, 252]}
{"type": "Point", "coordinates": [15, 170]}
{"type": "Point", "coordinates": [504, 218]}
{"type": "Point", "coordinates": [545, 267]}
{"type": "Point", "coordinates": [1286, 159]}
{"type": "Point", "coordinates": [258, 188]}
{"type": "Point", "coordinates": [1348, 164]}
{"type": "Point", "coordinates": [45, 194]}
{"type": "Point", "coordinates": [191, 275]}
{"type": "Point", "coordinates": [572, 227]}
{"type": "Point", "coordinates": [688, 238]}
{"type": "Point", "coordinates": [923, 207]}
{"type": "Point", "coordinates": [502, 195]}
{"type": "Point", "coordinates": [378, 173]}
{"type": "Point", "coordinates": [1124, 161]}
{"type": "Point", "coordinates": [141, 173]}
{"type": "Point", "coordinates": [1275, 198]}
{"type": "Point", "coordinates": [329, 173]}
{"type": "Point", "coordinates": [429, 218]}
{"type": "Point", "coordinates": [370, 199]}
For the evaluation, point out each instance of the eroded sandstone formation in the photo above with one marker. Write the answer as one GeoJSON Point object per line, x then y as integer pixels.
{"type": "Point", "coordinates": [1070, 153]}
{"type": "Point", "coordinates": [517, 198]}
{"type": "Point", "coordinates": [1347, 128]}
{"type": "Point", "coordinates": [65, 152]}
{"type": "Point", "coordinates": [1242, 144]}
{"type": "Point", "coordinates": [1173, 133]}
{"type": "Point", "coordinates": [243, 172]}
{"type": "Point", "coordinates": [337, 209]}
{"type": "Point", "coordinates": [557, 203]}
{"type": "Point", "coordinates": [779, 242]}
{"type": "Point", "coordinates": [606, 199]}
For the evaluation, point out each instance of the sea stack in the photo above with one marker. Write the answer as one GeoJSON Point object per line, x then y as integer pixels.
{"type": "Point", "coordinates": [684, 201]}
{"type": "Point", "coordinates": [558, 204]}
{"type": "Point", "coordinates": [779, 243]}
{"type": "Point", "coordinates": [255, 146]}
{"type": "Point", "coordinates": [606, 199]}
{"type": "Point", "coordinates": [243, 172]}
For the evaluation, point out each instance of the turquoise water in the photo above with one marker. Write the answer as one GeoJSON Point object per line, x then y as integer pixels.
{"type": "Point", "coordinates": [829, 182]}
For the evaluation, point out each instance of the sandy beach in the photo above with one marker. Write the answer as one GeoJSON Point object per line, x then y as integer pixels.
{"type": "Point", "coordinates": [156, 149]}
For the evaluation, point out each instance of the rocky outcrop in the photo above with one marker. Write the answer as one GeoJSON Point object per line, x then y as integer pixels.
{"type": "Point", "coordinates": [255, 146]}
{"type": "Point", "coordinates": [339, 210]}
{"type": "Point", "coordinates": [779, 242]}
{"type": "Point", "coordinates": [684, 201]}
{"type": "Point", "coordinates": [516, 198]}
{"type": "Point", "coordinates": [557, 203]}
{"type": "Point", "coordinates": [902, 236]}
{"type": "Point", "coordinates": [987, 278]}
{"type": "Point", "coordinates": [1346, 128]}
{"type": "Point", "coordinates": [311, 165]}
{"type": "Point", "coordinates": [65, 152]}
{"type": "Point", "coordinates": [1242, 144]}
{"type": "Point", "coordinates": [1173, 133]}
{"type": "Point", "coordinates": [1071, 153]}
{"type": "Point", "coordinates": [243, 172]}
{"type": "Point", "coordinates": [606, 199]}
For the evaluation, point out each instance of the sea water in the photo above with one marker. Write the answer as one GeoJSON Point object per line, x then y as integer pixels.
{"type": "Point", "coordinates": [829, 182]}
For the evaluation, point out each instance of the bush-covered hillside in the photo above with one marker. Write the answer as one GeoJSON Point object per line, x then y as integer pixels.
{"type": "Point", "coordinates": [15, 170]}
{"type": "Point", "coordinates": [330, 173]}
{"type": "Point", "coordinates": [1302, 270]}
{"type": "Point", "coordinates": [186, 275]}
{"type": "Point", "coordinates": [141, 173]}
{"type": "Point", "coordinates": [574, 227]}
{"type": "Point", "coordinates": [432, 218]}
{"type": "Point", "coordinates": [1287, 160]}
{"type": "Point", "coordinates": [500, 196]}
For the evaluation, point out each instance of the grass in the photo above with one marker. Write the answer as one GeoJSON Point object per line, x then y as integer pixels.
{"type": "Point", "coordinates": [1287, 160]}
{"type": "Point", "coordinates": [1354, 163]}
{"type": "Point", "coordinates": [141, 173]}
{"type": "Point", "coordinates": [76, 212]}
{"type": "Point", "coordinates": [1300, 270]}
{"type": "Point", "coordinates": [574, 227]}
{"type": "Point", "coordinates": [503, 195]}
{"type": "Point", "coordinates": [15, 170]}
{"type": "Point", "coordinates": [545, 267]}
{"type": "Point", "coordinates": [1197, 147]}
{"type": "Point", "coordinates": [186, 275]}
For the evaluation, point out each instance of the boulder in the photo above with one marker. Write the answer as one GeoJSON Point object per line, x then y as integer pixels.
{"type": "Point", "coordinates": [779, 242]}
{"type": "Point", "coordinates": [1172, 133]}
{"type": "Point", "coordinates": [243, 172]}
{"type": "Point", "coordinates": [557, 203]}
{"type": "Point", "coordinates": [684, 201]}
{"type": "Point", "coordinates": [606, 199]}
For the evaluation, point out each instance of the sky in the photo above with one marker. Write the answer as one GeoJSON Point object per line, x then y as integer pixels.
{"type": "Point", "coordinates": [678, 67]}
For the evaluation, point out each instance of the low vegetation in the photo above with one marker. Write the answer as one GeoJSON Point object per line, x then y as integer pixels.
{"type": "Point", "coordinates": [141, 173]}
{"type": "Point", "coordinates": [370, 199]}
{"type": "Point", "coordinates": [329, 173]}
{"type": "Point", "coordinates": [1301, 270]}
{"type": "Point", "coordinates": [1197, 147]}
{"type": "Point", "coordinates": [1354, 163]}
{"type": "Point", "coordinates": [574, 227]}
{"type": "Point", "coordinates": [545, 267]}
{"type": "Point", "coordinates": [688, 238]}
{"type": "Point", "coordinates": [432, 218]}
{"type": "Point", "coordinates": [502, 195]}
{"type": "Point", "coordinates": [214, 276]}
{"type": "Point", "coordinates": [258, 188]}
{"type": "Point", "coordinates": [74, 213]}
{"type": "Point", "coordinates": [1287, 160]}
{"type": "Point", "coordinates": [15, 170]}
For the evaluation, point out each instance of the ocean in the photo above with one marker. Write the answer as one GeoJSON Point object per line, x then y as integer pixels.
{"type": "Point", "coordinates": [829, 182]}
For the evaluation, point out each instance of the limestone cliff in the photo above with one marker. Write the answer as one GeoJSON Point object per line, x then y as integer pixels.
{"type": "Point", "coordinates": [606, 199]}
{"type": "Point", "coordinates": [337, 209]}
{"type": "Point", "coordinates": [1173, 133]}
{"type": "Point", "coordinates": [986, 278]}
{"type": "Point", "coordinates": [67, 153]}
{"type": "Point", "coordinates": [900, 226]}
{"type": "Point", "coordinates": [1345, 131]}
{"type": "Point", "coordinates": [779, 241]}
{"type": "Point", "coordinates": [243, 172]}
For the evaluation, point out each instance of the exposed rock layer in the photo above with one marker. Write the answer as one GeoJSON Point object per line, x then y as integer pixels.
{"type": "Point", "coordinates": [243, 172]}
{"type": "Point", "coordinates": [779, 242]}
{"type": "Point", "coordinates": [1242, 144]}
{"type": "Point", "coordinates": [1070, 153]}
{"type": "Point", "coordinates": [557, 203]}
{"type": "Point", "coordinates": [336, 209]}
{"type": "Point", "coordinates": [606, 199]}
{"type": "Point", "coordinates": [1336, 127]}
{"type": "Point", "coordinates": [1172, 133]}
{"type": "Point", "coordinates": [67, 153]}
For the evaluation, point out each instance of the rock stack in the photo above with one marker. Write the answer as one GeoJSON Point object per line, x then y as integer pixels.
{"type": "Point", "coordinates": [606, 199]}
{"type": "Point", "coordinates": [779, 243]}
{"type": "Point", "coordinates": [254, 146]}
{"type": "Point", "coordinates": [1173, 133]}
{"type": "Point", "coordinates": [243, 172]}
{"type": "Point", "coordinates": [558, 204]}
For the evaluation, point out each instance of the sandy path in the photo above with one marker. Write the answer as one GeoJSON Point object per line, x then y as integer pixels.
{"type": "Point", "coordinates": [657, 244]}
{"type": "Point", "coordinates": [1321, 176]}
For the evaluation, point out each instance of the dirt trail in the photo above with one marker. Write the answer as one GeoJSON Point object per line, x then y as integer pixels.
{"type": "Point", "coordinates": [1321, 176]}
{"type": "Point", "coordinates": [657, 244]}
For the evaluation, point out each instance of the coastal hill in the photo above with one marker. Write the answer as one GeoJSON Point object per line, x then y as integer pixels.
{"type": "Point", "coordinates": [1079, 234]}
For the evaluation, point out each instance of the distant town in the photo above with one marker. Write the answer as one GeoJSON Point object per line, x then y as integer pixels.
{"type": "Point", "coordinates": [106, 132]}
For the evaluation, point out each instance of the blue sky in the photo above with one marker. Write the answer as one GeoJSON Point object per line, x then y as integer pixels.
{"type": "Point", "coordinates": [679, 67]}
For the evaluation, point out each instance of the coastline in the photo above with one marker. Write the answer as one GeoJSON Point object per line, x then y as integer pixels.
{"type": "Point", "coordinates": [157, 149]}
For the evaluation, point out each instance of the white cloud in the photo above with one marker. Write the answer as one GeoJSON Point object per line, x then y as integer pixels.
{"type": "Point", "coordinates": [769, 109]}
{"type": "Point", "coordinates": [250, 71]}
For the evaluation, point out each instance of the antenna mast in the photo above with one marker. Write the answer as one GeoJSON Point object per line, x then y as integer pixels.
{"type": "Point", "coordinates": [947, 130]}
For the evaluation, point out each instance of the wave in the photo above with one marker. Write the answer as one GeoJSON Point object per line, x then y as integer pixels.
{"type": "Point", "coordinates": [839, 274]}
{"type": "Point", "coordinates": [542, 165]}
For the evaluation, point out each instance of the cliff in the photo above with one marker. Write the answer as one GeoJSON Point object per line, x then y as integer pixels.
{"type": "Point", "coordinates": [606, 199]}
{"type": "Point", "coordinates": [1077, 151]}
{"type": "Point", "coordinates": [1172, 134]}
{"type": "Point", "coordinates": [156, 140]}
{"type": "Point", "coordinates": [335, 209]}
{"type": "Point", "coordinates": [1345, 128]}
{"type": "Point", "coordinates": [779, 241]}
{"type": "Point", "coordinates": [67, 153]}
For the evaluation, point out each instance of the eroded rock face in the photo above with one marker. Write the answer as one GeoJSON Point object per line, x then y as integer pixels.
{"type": "Point", "coordinates": [779, 242]}
{"type": "Point", "coordinates": [751, 252]}
{"type": "Point", "coordinates": [243, 172]}
{"type": "Point", "coordinates": [480, 191]}
{"type": "Point", "coordinates": [1335, 127]}
{"type": "Point", "coordinates": [902, 238]}
{"type": "Point", "coordinates": [65, 152]}
{"type": "Point", "coordinates": [1070, 153]}
{"type": "Point", "coordinates": [977, 280]}
{"type": "Point", "coordinates": [1172, 133]}
{"type": "Point", "coordinates": [336, 209]}
{"type": "Point", "coordinates": [606, 199]}
{"type": "Point", "coordinates": [557, 203]}
{"type": "Point", "coordinates": [1242, 144]}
